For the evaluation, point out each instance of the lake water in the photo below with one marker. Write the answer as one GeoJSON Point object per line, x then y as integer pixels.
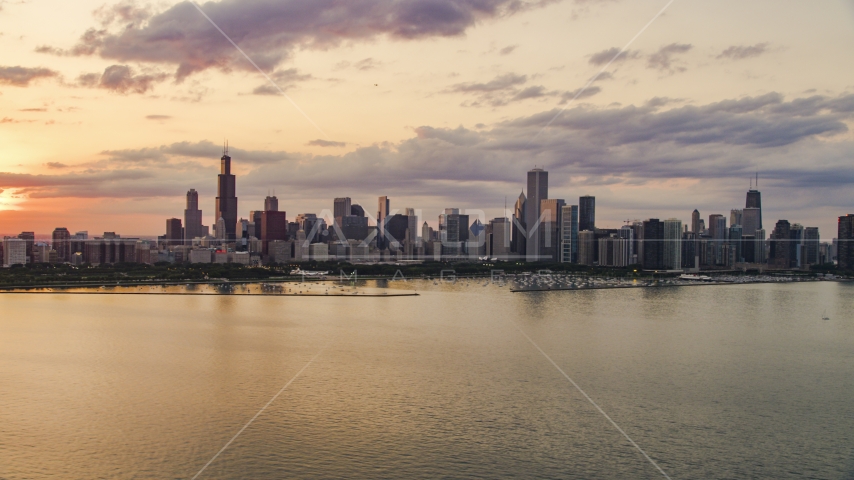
{"type": "Point", "coordinates": [711, 382]}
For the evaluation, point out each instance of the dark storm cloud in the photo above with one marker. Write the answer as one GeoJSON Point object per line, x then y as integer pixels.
{"type": "Point", "coordinates": [22, 76]}
{"type": "Point", "coordinates": [121, 79]}
{"type": "Point", "coordinates": [740, 52]}
{"type": "Point", "coordinates": [270, 31]}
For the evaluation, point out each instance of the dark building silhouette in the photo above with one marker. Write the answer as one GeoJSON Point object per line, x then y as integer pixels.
{"type": "Point", "coordinates": [62, 244]}
{"type": "Point", "coordinates": [845, 243]}
{"type": "Point", "coordinates": [653, 244]}
{"type": "Point", "coordinates": [780, 252]}
{"type": "Point", "coordinates": [587, 213]}
{"type": "Point", "coordinates": [341, 208]}
{"type": "Point", "coordinates": [395, 228]}
{"type": "Point", "coordinates": [192, 218]}
{"type": "Point", "coordinates": [174, 232]}
{"type": "Point", "coordinates": [271, 204]}
{"type": "Point", "coordinates": [811, 246]}
{"type": "Point", "coordinates": [226, 198]}
{"type": "Point", "coordinates": [456, 235]}
{"type": "Point", "coordinates": [354, 227]}
{"type": "Point", "coordinates": [274, 226]}
{"type": "Point", "coordinates": [357, 210]}
{"type": "Point", "coordinates": [695, 222]}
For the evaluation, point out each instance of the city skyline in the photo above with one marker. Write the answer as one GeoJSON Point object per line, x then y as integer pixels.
{"type": "Point", "coordinates": [539, 229]}
{"type": "Point", "coordinates": [681, 120]}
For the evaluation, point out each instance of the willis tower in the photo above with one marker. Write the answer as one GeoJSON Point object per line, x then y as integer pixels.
{"type": "Point", "coordinates": [226, 196]}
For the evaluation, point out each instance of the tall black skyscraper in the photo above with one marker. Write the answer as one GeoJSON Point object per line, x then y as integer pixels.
{"type": "Point", "coordinates": [751, 216]}
{"type": "Point", "coordinates": [653, 244]}
{"type": "Point", "coordinates": [226, 196]}
{"type": "Point", "coordinates": [586, 213]}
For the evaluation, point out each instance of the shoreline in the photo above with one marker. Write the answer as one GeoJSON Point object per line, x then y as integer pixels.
{"type": "Point", "coordinates": [613, 287]}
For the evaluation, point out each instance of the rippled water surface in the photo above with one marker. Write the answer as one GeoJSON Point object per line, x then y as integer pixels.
{"type": "Point", "coordinates": [711, 382]}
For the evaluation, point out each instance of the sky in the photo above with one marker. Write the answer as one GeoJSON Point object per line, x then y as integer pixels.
{"type": "Point", "coordinates": [110, 112]}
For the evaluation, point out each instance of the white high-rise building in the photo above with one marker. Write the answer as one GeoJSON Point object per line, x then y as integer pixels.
{"type": "Point", "coordinates": [673, 244]}
{"type": "Point", "coordinates": [14, 252]}
{"type": "Point", "coordinates": [569, 234]}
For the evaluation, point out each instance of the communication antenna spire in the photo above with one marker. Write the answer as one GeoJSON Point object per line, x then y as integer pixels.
{"type": "Point", "coordinates": [757, 179]}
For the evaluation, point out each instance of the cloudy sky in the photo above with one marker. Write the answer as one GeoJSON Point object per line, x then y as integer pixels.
{"type": "Point", "coordinates": [110, 112]}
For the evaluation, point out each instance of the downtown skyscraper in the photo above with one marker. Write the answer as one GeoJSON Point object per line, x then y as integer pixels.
{"type": "Point", "coordinates": [226, 199]}
{"type": "Point", "coordinates": [192, 218]}
{"type": "Point", "coordinates": [538, 190]}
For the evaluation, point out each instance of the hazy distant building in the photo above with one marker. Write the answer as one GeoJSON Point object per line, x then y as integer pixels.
{"type": "Point", "coordinates": [499, 238]}
{"type": "Point", "coordinates": [672, 244]}
{"type": "Point", "coordinates": [62, 244]}
{"type": "Point", "coordinates": [550, 228]}
{"type": "Point", "coordinates": [689, 250]}
{"type": "Point", "coordinates": [586, 247]}
{"type": "Point", "coordinates": [174, 232]}
{"type": "Point", "coordinates": [14, 252]}
{"type": "Point", "coordinates": [193, 227]}
{"type": "Point", "coordinates": [587, 213]}
{"type": "Point", "coordinates": [220, 230]}
{"type": "Point", "coordinates": [695, 222]}
{"type": "Point", "coordinates": [760, 250]}
{"type": "Point", "coordinates": [735, 242]}
{"type": "Point", "coordinates": [735, 216]}
{"type": "Point", "coordinates": [796, 238]}
{"type": "Point", "coordinates": [30, 239]}
{"type": "Point", "coordinates": [780, 251]}
{"type": "Point", "coordinates": [271, 204]}
{"type": "Point", "coordinates": [226, 199]}
{"type": "Point", "coordinates": [718, 234]}
{"type": "Point", "coordinates": [383, 205]}
{"type": "Point", "coordinates": [396, 227]}
{"type": "Point", "coordinates": [341, 208]}
{"type": "Point", "coordinates": [274, 226]}
{"type": "Point", "coordinates": [538, 190]}
{"type": "Point", "coordinates": [520, 230]}
{"type": "Point", "coordinates": [845, 243]}
{"type": "Point", "coordinates": [569, 234]}
{"type": "Point", "coordinates": [456, 235]}
{"type": "Point", "coordinates": [812, 249]}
